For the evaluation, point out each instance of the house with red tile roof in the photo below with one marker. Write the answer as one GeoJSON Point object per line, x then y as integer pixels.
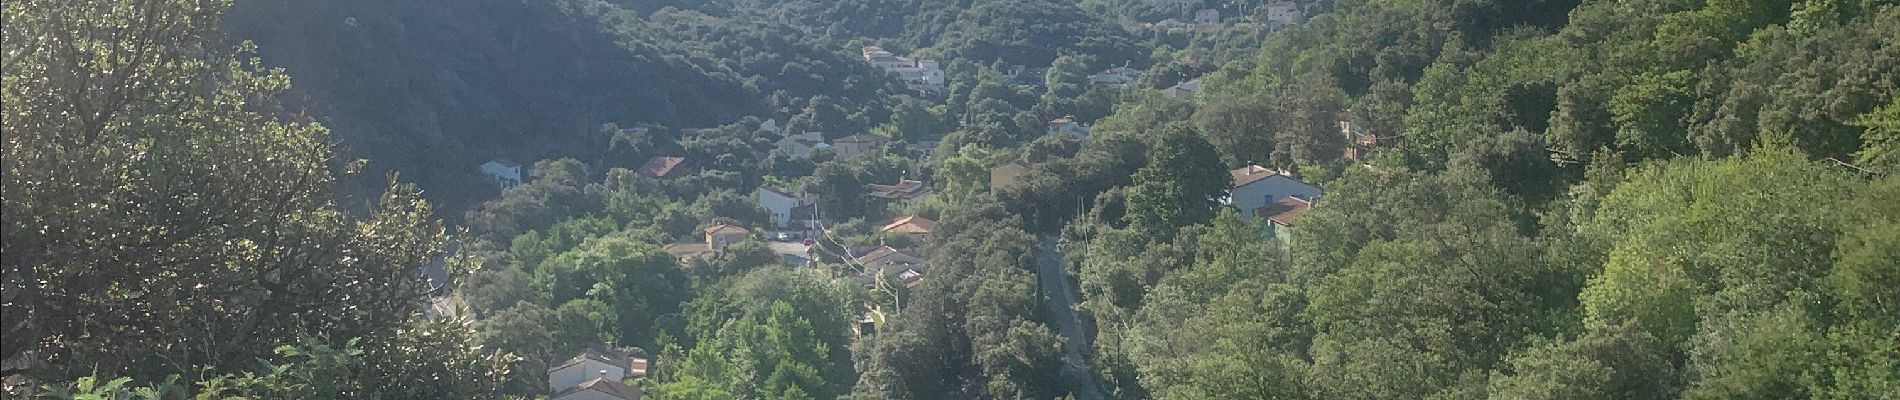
{"type": "Point", "coordinates": [663, 167]}
{"type": "Point", "coordinates": [1256, 187]}
{"type": "Point", "coordinates": [906, 191]}
{"type": "Point", "coordinates": [915, 226]}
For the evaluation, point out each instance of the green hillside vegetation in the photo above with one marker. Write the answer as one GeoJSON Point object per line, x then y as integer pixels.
{"type": "Point", "coordinates": [1546, 199]}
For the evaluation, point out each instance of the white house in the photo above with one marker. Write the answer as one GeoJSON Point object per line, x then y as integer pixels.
{"type": "Point", "coordinates": [851, 146]}
{"type": "Point", "coordinates": [769, 125]}
{"type": "Point", "coordinates": [1207, 16]}
{"type": "Point", "coordinates": [506, 173]}
{"type": "Point", "coordinates": [1256, 187]}
{"type": "Point", "coordinates": [1068, 126]}
{"type": "Point", "coordinates": [790, 211]}
{"type": "Point", "coordinates": [922, 75]}
{"type": "Point", "coordinates": [801, 145]}
{"type": "Point", "coordinates": [1281, 13]}
{"type": "Point", "coordinates": [590, 364]}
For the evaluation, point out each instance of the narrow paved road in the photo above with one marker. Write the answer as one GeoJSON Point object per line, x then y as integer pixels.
{"type": "Point", "coordinates": [1061, 302]}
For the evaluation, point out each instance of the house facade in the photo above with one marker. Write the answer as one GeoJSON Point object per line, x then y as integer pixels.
{"type": "Point", "coordinates": [722, 235]}
{"type": "Point", "coordinates": [906, 191]}
{"type": "Point", "coordinates": [1207, 16]}
{"type": "Point", "coordinates": [1183, 90]}
{"type": "Point", "coordinates": [790, 211]}
{"type": "Point", "coordinates": [1066, 126]}
{"type": "Point", "coordinates": [504, 172]}
{"type": "Point", "coordinates": [922, 75]}
{"type": "Point", "coordinates": [1281, 13]}
{"type": "Point", "coordinates": [1115, 78]}
{"type": "Point", "coordinates": [905, 267]}
{"type": "Point", "coordinates": [849, 147]}
{"type": "Point", "coordinates": [801, 145]}
{"type": "Point", "coordinates": [1256, 187]}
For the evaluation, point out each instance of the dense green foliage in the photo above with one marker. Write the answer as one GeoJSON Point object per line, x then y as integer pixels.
{"type": "Point", "coordinates": [1542, 199]}
{"type": "Point", "coordinates": [164, 220]}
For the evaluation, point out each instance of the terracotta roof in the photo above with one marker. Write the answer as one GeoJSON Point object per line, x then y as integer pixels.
{"type": "Point", "coordinates": [610, 387]}
{"type": "Point", "coordinates": [883, 252]}
{"type": "Point", "coordinates": [905, 189]}
{"type": "Point", "coordinates": [724, 229]}
{"type": "Point", "coordinates": [1252, 173]}
{"type": "Point", "coordinates": [660, 167]}
{"type": "Point", "coordinates": [909, 224]}
{"type": "Point", "coordinates": [1284, 211]}
{"type": "Point", "coordinates": [639, 369]}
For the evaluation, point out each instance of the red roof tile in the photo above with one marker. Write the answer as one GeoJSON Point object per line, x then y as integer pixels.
{"type": "Point", "coordinates": [661, 167]}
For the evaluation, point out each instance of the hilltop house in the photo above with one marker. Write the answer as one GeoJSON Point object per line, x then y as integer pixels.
{"type": "Point", "coordinates": [1281, 13]}
{"type": "Point", "coordinates": [1066, 126]}
{"type": "Point", "coordinates": [1183, 90]}
{"type": "Point", "coordinates": [906, 191]}
{"type": "Point", "coordinates": [1004, 175]}
{"type": "Point", "coordinates": [791, 212]}
{"type": "Point", "coordinates": [505, 172]}
{"type": "Point", "coordinates": [715, 239]}
{"type": "Point", "coordinates": [1281, 214]}
{"type": "Point", "coordinates": [801, 145]}
{"type": "Point", "coordinates": [904, 265]}
{"type": "Point", "coordinates": [849, 147]}
{"type": "Point", "coordinates": [663, 167]}
{"type": "Point", "coordinates": [1115, 78]}
{"type": "Point", "coordinates": [1256, 187]}
{"type": "Point", "coordinates": [921, 75]}
{"type": "Point", "coordinates": [1207, 16]}
{"type": "Point", "coordinates": [598, 389]}
{"type": "Point", "coordinates": [722, 235]}
{"type": "Point", "coordinates": [596, 374]}
{"type": "Point", "coordinates": [915, 226]}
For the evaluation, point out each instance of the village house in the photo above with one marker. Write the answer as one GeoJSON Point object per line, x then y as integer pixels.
{"type": "Point", "coordinates": [849, 147]}
{"type": "Point", "coordinates": [1207, 16]}
{"type": "Point", "coordinates": [596, 374]}
{"type": "Point", "coordinates": [771, 126]}
{"type": "Point", "coordinates": [905, 266]}
{"type": "Point", "coordinates": [1183, 90]}
{"type": "Point", "coordinates": [598, 389]}
{"type": "Point", "coordinates": [1282, 13]}
{"type": "Point", "coordinates": [792, 212]}
{"type": "Point", "coordinates": [506, 173]}
{"type": "Point", "coordinates": [911, 225]}
{"type": "Point", "coordinates": [922, 75]}
{"type": "Point", "coordinates": [906, 191]}
{"type": "Point", "coordinates": [1281, 214]}
{"type": "Point", "coordinates": [1115, 78]}
{"type": "Point", "coordinates": [664, 167]}
{"type": "Point", "coordinates": [721, 235]}
{"type": "Point", "coordinates": [1004, 175]}
{"type": "Point", "coordinates": [1066, 126]}
{"type": "Point", "coordinates": [922, 148]}
{"type": "Point", "coordinates": [801, 145]}
{"type": "Point", "coordinates": [1256, 187]}
{"type": "Point", "coordinates": [714, 240]}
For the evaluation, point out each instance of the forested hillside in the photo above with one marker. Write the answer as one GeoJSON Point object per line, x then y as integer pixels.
{"type": "Point", "coordinates": [970, 199]}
